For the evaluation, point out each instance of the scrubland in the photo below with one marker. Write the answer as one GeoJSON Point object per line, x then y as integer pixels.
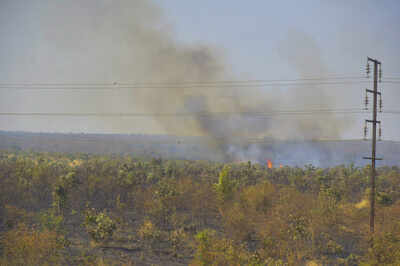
{"type": "Point", "coordinates": [81, 209]}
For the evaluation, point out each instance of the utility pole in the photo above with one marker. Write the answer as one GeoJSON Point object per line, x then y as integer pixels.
{"type": "Point", "coordinates": [374, 122]}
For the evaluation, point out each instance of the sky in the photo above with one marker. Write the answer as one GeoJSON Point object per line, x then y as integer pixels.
{"type": "Point", "coordinates": [71, 42]}
{"type": "Point", "coordinates": [346, 31]}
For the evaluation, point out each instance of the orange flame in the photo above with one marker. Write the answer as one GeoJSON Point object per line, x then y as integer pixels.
{"type": "Point", "coordinates": [269, 164]}
{"type": "Point", "coordinates": [280, 166]}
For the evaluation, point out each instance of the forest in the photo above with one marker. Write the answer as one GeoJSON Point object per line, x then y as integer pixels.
{"type": "Point", "coordinates": [85, 209]}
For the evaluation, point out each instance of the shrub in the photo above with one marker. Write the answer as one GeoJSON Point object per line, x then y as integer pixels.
{"type": "Point", "coordinates": [214, 251]}
{"type": "Point", "coordinates": [225, 186]}
{"type": "Point", "coordinates": [177, 239]}
{"type": "Point", "coordinates": [149, 232]}
{"type": "Point", "coordinates": [28, 246]}
{"type": "Point", "coordinates": [385, 250]}
{"type": "Point", "coordinates": [50, 221]}
{"type": "Point", "coordinates": [14, 215]}
{"type": "Point", "coordinates": [99, 226]}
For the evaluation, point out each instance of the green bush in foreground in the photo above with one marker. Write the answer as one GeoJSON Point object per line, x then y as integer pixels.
{"type": "Point", "coordinates": [99, 225]}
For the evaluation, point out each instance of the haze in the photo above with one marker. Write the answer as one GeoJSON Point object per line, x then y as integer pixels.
{"type": "Point", "coordinates": [195, 41]}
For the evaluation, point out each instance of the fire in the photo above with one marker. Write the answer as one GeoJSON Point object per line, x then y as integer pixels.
{"type": "Point", "coordinates": [280, 166]}
{"type": "Point", "coordinates": [269, 164]}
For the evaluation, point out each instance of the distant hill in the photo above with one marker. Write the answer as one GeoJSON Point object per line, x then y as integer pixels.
{"type": "Point", "coordinates": [318, 153]}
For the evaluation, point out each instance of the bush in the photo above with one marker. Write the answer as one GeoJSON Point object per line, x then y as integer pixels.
{"type": "Point", "coordinates": [225, 186]}
{"type": "Point", "coordinates": [99, 226]}
{"type": "Point", "coordinates": [51, 221]}
{"type": "Point", "coordinates": [28, 246]}
{"type": "Point", "coordinates": [385, 250]}
{"type": "Point", "coordinates": [214, 251]}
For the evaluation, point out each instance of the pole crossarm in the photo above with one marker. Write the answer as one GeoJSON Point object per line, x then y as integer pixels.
{"type": "Point", "coordinates": [374, 92]}
{"type": "Point", "coordinates": [374, 60]}
{"type": "Point", "coordinates": [373, 121]}
{"type": "Point", "coordinates": [371, 158]}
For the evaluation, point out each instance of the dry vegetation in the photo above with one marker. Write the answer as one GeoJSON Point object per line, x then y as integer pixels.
{"type": "Point", "coordinates": [62, 209]}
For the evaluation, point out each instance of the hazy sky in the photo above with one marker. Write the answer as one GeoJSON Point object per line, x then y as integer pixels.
{"type": "Point", "coordinates": [250, 33]}
{"type": "Point", "coordinates": [82, 41]}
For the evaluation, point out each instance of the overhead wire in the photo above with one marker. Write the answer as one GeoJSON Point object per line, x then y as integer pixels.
{"type": "Point", "coordinates": [307, 81]}
{"type": "Point", "coordinates": [201, 114]}
{"type": "Point", "coordinates": [249, 85]}
{"type": "Point", "coordinates": [187, 85]}
{"type": "Point", "coordinates": [180, 83]}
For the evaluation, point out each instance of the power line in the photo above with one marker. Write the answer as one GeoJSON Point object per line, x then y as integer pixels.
{"type": "Point", "coordinates": [260, 85]}
{"type": "Point", "coordinates": [200, 114]}
{"type": "Point", "coordinates": [175, 83]}
{"type": "Point", "coordinates": [152, 83]}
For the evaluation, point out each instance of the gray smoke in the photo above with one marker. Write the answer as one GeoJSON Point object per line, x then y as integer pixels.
{"type": "Point", "coordinates": [303, 54]}
{"type": "Point", "coordinates": [130, 41]}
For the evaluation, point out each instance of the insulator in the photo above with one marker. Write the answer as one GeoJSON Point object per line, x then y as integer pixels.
{"type": "Point", "coordinates": [380, 103]}
{"type": "Point", "coordinates": [380, 73]}
{"type": "Point", "coordinates": [368, 70]}
{"type": "Point", "coordinates": [366, 100]}
{"type": "Point", "coordinates": [365, 131]}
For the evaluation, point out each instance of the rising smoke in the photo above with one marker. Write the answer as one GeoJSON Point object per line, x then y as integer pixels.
{"type": "Point", "coordinates": [130, 41]}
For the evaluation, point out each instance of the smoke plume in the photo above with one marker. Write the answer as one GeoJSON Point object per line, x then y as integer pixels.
{"type": "Point", "coordinates": [103, 41]}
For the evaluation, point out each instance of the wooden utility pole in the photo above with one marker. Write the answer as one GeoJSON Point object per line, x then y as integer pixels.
{"type": "Point", "coordinates": [374, 122]}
